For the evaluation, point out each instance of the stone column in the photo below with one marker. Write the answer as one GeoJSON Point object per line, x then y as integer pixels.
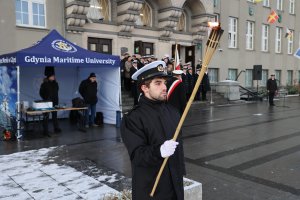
{"type": "Point", "coordinates": [167, 21]}
{"type": "Point", "coordinates": [128, 12]}
{"type": "Point", "coordinates": [75, 13]}
{"type": "Point", "coordinates": [200, 27]}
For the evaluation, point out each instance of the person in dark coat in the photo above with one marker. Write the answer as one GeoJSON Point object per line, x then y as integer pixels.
{"type": "Point", "coordinates": [88, 91]}
{"type": "Point", "coordinates": [134, 90]}
{"type": "Point", "coordinates": [147, 131]}
{"type": "Point", "coordinates": [204, 86]}
{"type": "Point", "coordinates": [176, 91]}
{"type": "Point", "coordinates": [189, 82]}
{"type": "Point", "coordinates": [196, 75]}
{"type": "Point", "coordinates": [49, 92]}
{"type": "Point", "coordinates": [272, 89]}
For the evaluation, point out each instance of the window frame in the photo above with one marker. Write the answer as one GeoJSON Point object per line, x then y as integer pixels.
{"type": "Point", "coordinates": [289, 77]}
{"type": "Point", "coordinates": [250, 35]}
{"type": "Point", "coordinates": [264, 77]}
{"type": "Point", "coordinates": [141, 21]}
{"type": "Point", "coordinates": [213, 74]}
{"type": "Point", "coordinates": [266, 3]}
{"type": "Point", "coordinates": [290, 43]}
{"type": "Point", "coordinates": [278, 76]}
{"type": "Point", "coordinates": [278, 39]}
{"type": "Point", "coordinates": [95, 13]}
{"type": "Point", "coordinates": [265, 38]}
{"type": "Point", "coordinates": [235, 73]}
{"type": "Point", "coordinates": [232, 33]}
{"type": "Point", "coordinates": [30, 13]}
{"type": "Point", "coordinates": [249, 78]}
{"type": "Point", "coordinates": [292, 7]}
{"type": "Point", "coordinates": [279, 5]}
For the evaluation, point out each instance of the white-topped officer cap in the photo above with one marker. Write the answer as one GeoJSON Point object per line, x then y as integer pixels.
{"type": "Point", "coordinates": [177, 72]}
{"type": "Point", "coordinates": [151, 70]}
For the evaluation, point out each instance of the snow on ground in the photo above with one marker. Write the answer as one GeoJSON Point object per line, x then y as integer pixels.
{"type": "Point", "coordinates": [25, 175]}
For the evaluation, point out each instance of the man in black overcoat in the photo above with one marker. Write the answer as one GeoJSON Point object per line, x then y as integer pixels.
{"type": "Point", "coordinates": [88, 90]}
{"type": "Point", "coordinates": [49, 92]}
{"type": "Point", "coordinates": [147, 132]}
{"type": "Point", "coordinates": [272, 89]}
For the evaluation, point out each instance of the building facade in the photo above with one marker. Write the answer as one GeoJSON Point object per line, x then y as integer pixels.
{"type": "Point", "coordinates": [154, 27]}
{"type": "Point", "coordinates": [249, 39]}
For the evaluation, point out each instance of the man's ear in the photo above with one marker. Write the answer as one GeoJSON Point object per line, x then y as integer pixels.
{"type": "Point", "coordinates": [144, 88]}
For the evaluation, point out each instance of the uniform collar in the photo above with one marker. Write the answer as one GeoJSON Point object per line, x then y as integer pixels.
{"type": "Point", "coordinates": [145, 100]}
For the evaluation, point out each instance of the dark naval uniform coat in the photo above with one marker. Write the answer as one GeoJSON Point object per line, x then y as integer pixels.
{"type": "Point", "coordinates": [144, 130]}
{"type": "Point", "coordinates": [177, 94]}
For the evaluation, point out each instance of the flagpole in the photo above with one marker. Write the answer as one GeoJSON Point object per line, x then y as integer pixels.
{"type": "Point", "coordinates": [211, 46]}
{"type": "Point", "coordinates": [175, 62]}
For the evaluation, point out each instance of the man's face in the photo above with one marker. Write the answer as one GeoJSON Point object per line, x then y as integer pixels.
{"type": "Point", "coordinates": [51, 78]}
{"type": "Point", "coordinates": [157, 90]}
{"type": "Point", "coordinates": [272, 77]}
{"type": "Point", "coordinates": [170, 68]}
{"type": "Point", "coordinates": [93, 79]}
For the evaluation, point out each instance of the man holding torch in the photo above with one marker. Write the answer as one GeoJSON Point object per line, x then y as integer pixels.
{"type": "Point", "coordinates": [147, 132]}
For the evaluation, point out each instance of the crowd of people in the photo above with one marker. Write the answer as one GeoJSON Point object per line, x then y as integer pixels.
{"type": "Point", "coordinates": [188, 74]}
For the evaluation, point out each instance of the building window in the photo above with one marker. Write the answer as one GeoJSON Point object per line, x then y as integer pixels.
{"type": "Point", "coordinates": [290, 42]}
{"type": "Point", "coordinates": [216, 3]}
{"type": "Point", "coordinates": [100, 45]}
{"type": "Point", "coordinates": [266, 3]}
{"type": "Point", "coordinates": [232, 33]}
{"type": "Point", "coordinates": [213, 74]}
{"type": "Point", "coordinates": [278, 76]}
{"type": "Point", "coordinates": [279, 4]}
{"type": "Point", "coordinates": [181, 24]}
{"type": "Point", "coordinates": [249, 78]}
{"type": "Point", "coordinates": [217, 17]}
{"type": "Point", "coordinates": [249, 35]}
{"type": "Point", "coordinates": [292, 7]}
{"type": "Point", "coordinates": [278, 40]}
{"type": "Point", "coordinates": [289, 80]}
{"type": "Point", "coordinates": [264, 77]}
{"type": "Point", "coordinates": [232, 74]}
{"type": "Point", "coordinates": [145, 18]}
{"type": "Point", "coordinates": [31, 13]}
{"type": "Point", "coordinates": [298, 77]}
{"type": "Point", "coordinates": [265, 38]}
{"type": "Point", "coordinates": [99, 10]}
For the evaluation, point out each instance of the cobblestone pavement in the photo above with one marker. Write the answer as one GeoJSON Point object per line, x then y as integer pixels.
{"type": "Point", "coordinates": [248, 151]}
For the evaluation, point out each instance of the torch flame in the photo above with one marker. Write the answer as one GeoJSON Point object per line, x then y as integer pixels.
{"type": "Point", "coordinates": [213, 24]}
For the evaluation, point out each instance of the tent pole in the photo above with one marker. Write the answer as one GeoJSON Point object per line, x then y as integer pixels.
{"type": "Point", "coordinates": [18, 105]}
{"type": "Point", "coordinates": [120, 92]}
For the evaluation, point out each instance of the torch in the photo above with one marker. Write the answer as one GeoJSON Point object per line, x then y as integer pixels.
{"type": "Point", "coordinates": [211, 45]}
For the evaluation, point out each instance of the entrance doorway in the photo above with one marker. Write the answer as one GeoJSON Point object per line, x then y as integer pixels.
{"type": "Point", "coordinates": [143, 48]}
{"type": "Point", "coordinates": [190, 55]}
{"type": "Point", "coordinates": [100, 45]}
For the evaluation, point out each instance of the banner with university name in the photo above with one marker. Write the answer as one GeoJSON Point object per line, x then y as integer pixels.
{"type": "Point", "coordinates": [54, 50]}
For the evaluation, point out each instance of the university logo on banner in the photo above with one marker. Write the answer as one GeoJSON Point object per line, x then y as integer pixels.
{"type": "Point", "coordinates": [61, 45]}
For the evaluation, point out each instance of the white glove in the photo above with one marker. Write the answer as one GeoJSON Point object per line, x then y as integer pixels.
{"type": "Point", "coordinates": [168, 148]}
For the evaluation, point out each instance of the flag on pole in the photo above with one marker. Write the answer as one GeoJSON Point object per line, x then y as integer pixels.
{"type": "Point", "coordinates": [289, 33]}
{"type": "Point", "coordinates": [177, 62]}
{"type": "Point", "coordinates": [272, 17]}
{"type": "Point", "coordinates": [297, 53]}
